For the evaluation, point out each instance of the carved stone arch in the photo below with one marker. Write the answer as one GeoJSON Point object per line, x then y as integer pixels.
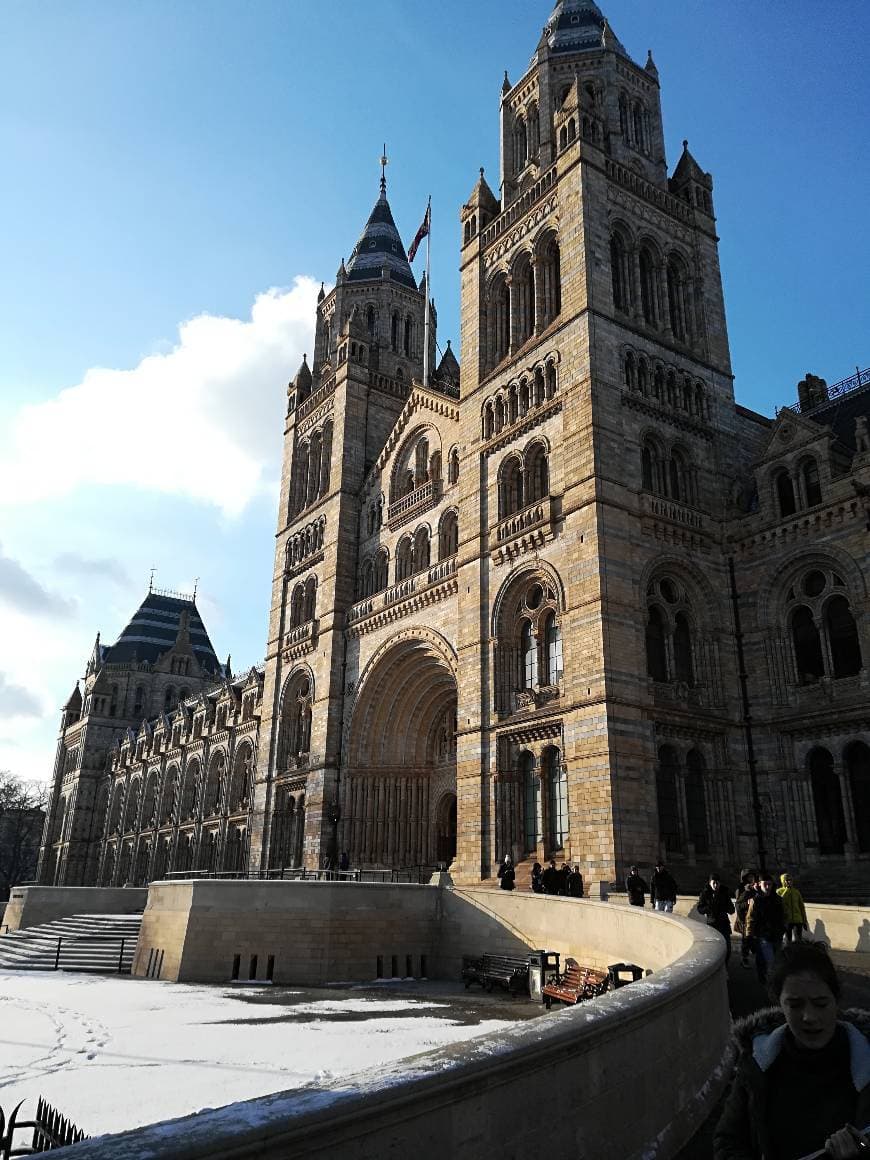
{"type": "Point", "coordinates": [403, 460]}
{"type": "Point", "coordinates": [520, 578]}
{"type": "Point", "coordinates": [619, 225]}
{"type": "Point", "coordinates": [706, 601]}
{"type": "Point", "coordinates": [772, 589]}
{"type": "Point", "coordinates": [539, 439]}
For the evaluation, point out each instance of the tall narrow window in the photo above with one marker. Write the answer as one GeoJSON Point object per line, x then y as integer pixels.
{"type": "Point", "coordinates": [656, 656]}
{"type": "Point", "coordinates": [785, 494]}
{"type": "Point", "coordinates": [827, 799]}
{"type": "Point", "coordinates": [529, 651]}
{"type": "Point", "coordinates": [648, 301]}
{"type": "Point", "coordinates": [807, 646]}
{"type": "Point", "coordinates": [696, 801]}
{"type": "Point", "coordinates": [857, 760]}
{"type": "Point", "coordinates": [812, 486]}
{"type": "Point", "coordinates": [557, 797]}
{"type": "Point", "coordinates": [531, 785]}
{"type": "Point", "coordinates": [553, 642]}
{"type": "Point", "coordinates": [683, 667]}
{"type": "Point", "coordinates": [618, 273]}
{"type": "Point", "coordinates": [666, 796]}
{"type": "Point", "coordinates": [842, 638]}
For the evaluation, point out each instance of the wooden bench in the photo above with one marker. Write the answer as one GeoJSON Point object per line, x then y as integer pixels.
{"type": "Point", "coordinates": [508, 971]}
{"type": "Point", "coordinates": [576, 983]}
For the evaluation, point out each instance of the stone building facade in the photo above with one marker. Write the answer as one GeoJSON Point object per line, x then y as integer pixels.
{"type": "Point", "coordinates": [572, 601]}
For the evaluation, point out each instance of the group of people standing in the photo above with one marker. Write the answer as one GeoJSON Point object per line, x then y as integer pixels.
{"type": "Point", "coordinates": [764, 917]}
{"type": "Point", "coordinates": [565, 880]}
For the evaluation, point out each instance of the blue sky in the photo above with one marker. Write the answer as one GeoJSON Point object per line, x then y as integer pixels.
{"type": "Point", "coordinates": [169, 161]}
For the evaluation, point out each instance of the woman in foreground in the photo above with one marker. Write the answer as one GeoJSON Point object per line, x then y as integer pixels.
{"type": "Point", "coordinates": [802, 1086]}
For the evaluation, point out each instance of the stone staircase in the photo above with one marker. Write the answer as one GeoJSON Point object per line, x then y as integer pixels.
{"type": "Point", "coordinates": [98, 943]}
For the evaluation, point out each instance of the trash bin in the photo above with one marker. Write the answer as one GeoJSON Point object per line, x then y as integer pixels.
{"type": "Point", "coordinates": [543, 969]}
{"type": "Point", "coordinates": [617, 971]}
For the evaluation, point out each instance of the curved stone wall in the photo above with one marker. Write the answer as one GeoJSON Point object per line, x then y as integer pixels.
{"type": "Point", "coordinates": [629, 1075]}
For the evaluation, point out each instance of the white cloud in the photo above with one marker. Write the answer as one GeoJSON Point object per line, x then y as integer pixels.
{"type": "Point", "coordinates": [16, 701]}
{"type": "Point", "coordinates": [203, 420]}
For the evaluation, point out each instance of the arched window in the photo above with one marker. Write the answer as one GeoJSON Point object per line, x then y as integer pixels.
{"type": "Point", "coordinates": [785, 494]}
{"type": "Point", "coordinates": [842, 638]}
{"type": "Point", "coordinates": [857, 761]}
{"type": "Point", "coordinates": [683, 667]}
{"type": "Point", "coordinates": [294, 731]}
{"type": "Point", "coordinates": [678, 300]}
{"type": "Point", "coordinates": [812, 485]}
{"type": "Point", "coordinates": [696, 801]}
{"type": "Point", "coordinates": [537, 473]}
{"type": "Point", "coordinates": [807, 646]}
{"type": "Point", "coordinates": [623, 116]}
{"type": "Point", "coordinates": [404, 559]}
{"type": "Point", "coordinates": [656, 653]}
{"type": "Point", "coordinates": [366, 579]}
{"type": "Point", "coordinates": [551, 274]}
{"type": "Point", "coordinates": [448, 536]}
{"type": "Point", "coordinates": [556, 778]}
{"type": "Point", "coordinates": [646, 468]}
{"type": "Point", "coordinates": [190, 791]}
{"type": "Point", "coordinates": [523, 299]}
{"type": "Point", "coordinates": [310, 597]}
{"type": "Point", "coordinates": [529, 655]}
{"type": "Point", "coordinates": [453, 466]}
{"type": "Point", "coordinates": [421, 462]}
{"type": "Point", "coordinates": [394, 333]}
{"type": "Point", "coordinates": [371, 318]}
{"type": "Point", "coordinates": [498, 316]}
{"type": "Point", "coordinates": [531, 786]}
{"type": "Point", "coordinates": [642, 376]}
{"type": "Point", "coordinates": [297, 602]}
{"type": "Point", "coordinates": [619, 274]}
{"type": "Point", "coordinates": [421, 556]}
{"type": "Point", "coordinates": [637, 125]}
{"type": "Point", "coordinates": [381, 577]}
{"type": "Point", "coordinates": [630, 370]}
{"type": "Point", "coordinates": [553, 647]}
{"type": "Point", "coordinates": [666, 797]}
{"type": "Point", "coordinates": [512, 489]}
{"type": "Point", "coordinates": [326, 458]}
{"type": "Point", "coordinates": [409, 337]}
{"type": "Point", "coordinates": [827, 799]}
{"type": "Point", "coordinates": [521, 145]}
{"type": "Point", "coordinates": [648, 287]}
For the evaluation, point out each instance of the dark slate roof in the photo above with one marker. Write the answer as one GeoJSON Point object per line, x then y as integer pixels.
{"type": "Point", "coordinates": [154, 628]}
{"type": "Point", "coordinates": [380, 246]}
{"type": "Point", "coordinates": [576, 26]}
{"type": "Point", "coordinates": [841, 412]}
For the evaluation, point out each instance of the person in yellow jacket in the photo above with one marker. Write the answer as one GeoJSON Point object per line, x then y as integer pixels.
{"type": "Point", "coordinates": [795, 911]}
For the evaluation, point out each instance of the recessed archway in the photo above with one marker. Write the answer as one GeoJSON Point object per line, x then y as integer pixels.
{"type": "Point", "coordinates": [401, 754]}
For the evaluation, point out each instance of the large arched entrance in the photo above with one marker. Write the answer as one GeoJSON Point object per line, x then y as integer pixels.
{"type": "Point", "coordinates": [401, 757]}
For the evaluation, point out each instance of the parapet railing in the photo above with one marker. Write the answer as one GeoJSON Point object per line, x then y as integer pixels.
{"type": "Point", "coordinates": [395, 874]}
{"type": "Point", "coordinates": [833, 392]}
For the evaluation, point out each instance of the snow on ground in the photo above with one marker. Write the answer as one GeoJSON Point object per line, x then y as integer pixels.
{"type": "Point", "coordinates": [114, 1053]}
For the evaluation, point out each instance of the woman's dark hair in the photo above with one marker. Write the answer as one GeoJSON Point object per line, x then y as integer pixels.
{"type": "Point", "coordinates": [796, 958]}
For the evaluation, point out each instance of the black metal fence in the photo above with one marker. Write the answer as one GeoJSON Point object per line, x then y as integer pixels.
{"type": "Point", "coordinates": [406, 874]}
{"type": "Point", "coordinates": [48, 1129]}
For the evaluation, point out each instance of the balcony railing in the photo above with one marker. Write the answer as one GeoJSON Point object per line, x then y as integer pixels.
{"type": "Point", "coordinates": [416, 501]}
{"type": "Point", "coordinates": [538, 515]}
{"type": "Point", "coordinates": [413, 585]}
{"type": "Point", "coordinates": [519, 207]}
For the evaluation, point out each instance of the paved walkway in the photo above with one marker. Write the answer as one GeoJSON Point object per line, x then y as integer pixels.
{"type": "Point", "coordinates": [746, 994]}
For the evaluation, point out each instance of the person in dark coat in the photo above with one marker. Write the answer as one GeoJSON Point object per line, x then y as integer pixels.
{"type": "Point", "coordinates": [715, 903]}
{"type": "Point", "coordinates": [506, 873]}
{"type": "Point", "coordinates": [746, 893]}
{"type": "Point", "coordinates": [636, 888]}
{"type": "Point", "coordinates": [344, 862]}
{"type": "Point", "coordinates": [802, 1081]}
{"type": "Point", "coordinates": [564, 874]}
{"type": "Point", "coordinates": [765, 925]}
{"type": "Point", "coordinates": [575, 883]}
{"type": "Point", "coordinates": [537, 884]}
{"type": "Point", "coordinates": [662, 889]}
{"type": "Point", "coordinates": [550, 878]}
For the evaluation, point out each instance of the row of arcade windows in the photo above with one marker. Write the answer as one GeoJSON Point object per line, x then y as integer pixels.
{"type": "Point", "coordinates": [651, 287]}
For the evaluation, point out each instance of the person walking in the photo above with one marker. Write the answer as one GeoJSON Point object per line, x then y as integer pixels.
{"type": "Point", "coordinates": [716, 904]}
{"type": "Point", "coordinates": [575, 883]}
{"type": "Point", "coordinates": [506, 873]}
{"type": "Point", "coordinates": [802, 1082]}
{"type": "Point", "coordinates": [765, 924]}
{"type": "Point", "coordinates": [550, 878]}
{"type": "Point", "coordinates": [636, 888]}
{"type": "Point", "coordinates": [747, 891]}
{"type": "Point", "coordinates": [537, 885]}
{"type": "Point", "coordinates": [662, 889]}
{"type": "Point", "coordinates": [794, 911]}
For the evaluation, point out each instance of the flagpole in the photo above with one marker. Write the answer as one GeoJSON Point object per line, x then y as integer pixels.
{"type": "Point", "coordinates": [426, 316]}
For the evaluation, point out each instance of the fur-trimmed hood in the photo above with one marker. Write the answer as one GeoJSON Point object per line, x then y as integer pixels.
{"type": "Point", "coordinates": [761, 1034]}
